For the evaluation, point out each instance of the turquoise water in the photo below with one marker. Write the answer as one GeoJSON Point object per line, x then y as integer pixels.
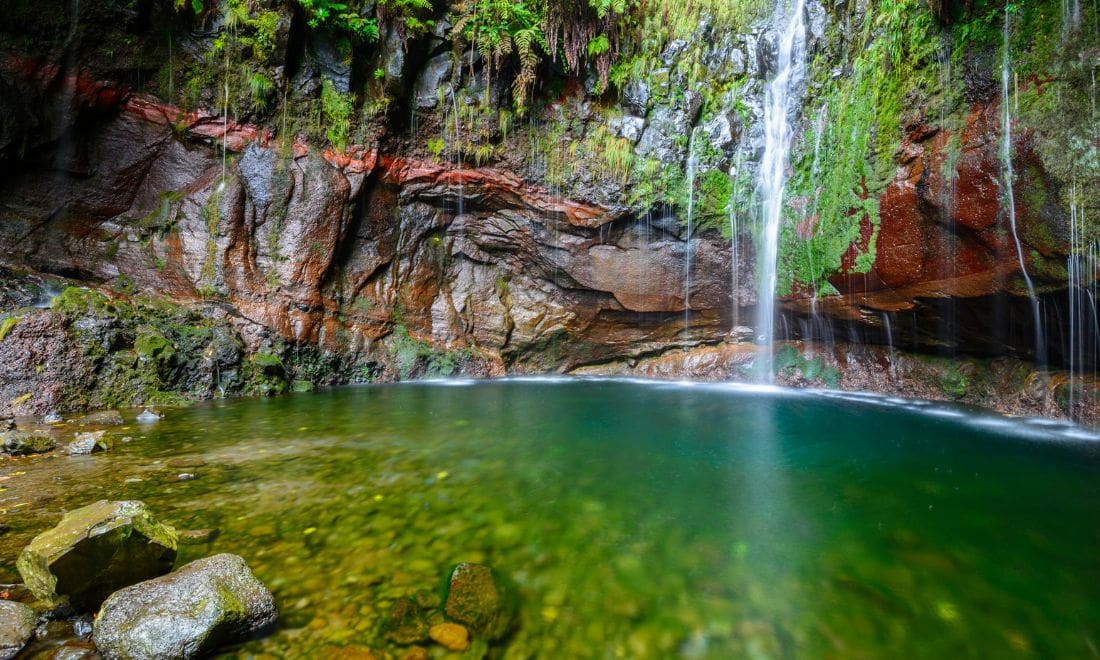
{"type": "Point", "coordinates": [636, 520]}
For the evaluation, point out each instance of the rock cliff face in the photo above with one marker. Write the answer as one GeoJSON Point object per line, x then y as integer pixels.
{"type": "Point", "coordinates": [390, 261]}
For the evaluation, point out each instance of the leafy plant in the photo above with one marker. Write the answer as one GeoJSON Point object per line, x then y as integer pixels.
{"type": "Point", "coordinates": [341, 16]}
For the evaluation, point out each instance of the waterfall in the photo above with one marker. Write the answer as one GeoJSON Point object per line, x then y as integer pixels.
{"type": "Point", "coordinates": [1008, 181]}
{"type": "Point", "coordinates": [688, 253]}
{"type": "Point", "coordinates": [779, 101]}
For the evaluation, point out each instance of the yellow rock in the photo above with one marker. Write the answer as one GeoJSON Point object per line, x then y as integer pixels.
{"type": "Point", "coordinates": [451, 635]}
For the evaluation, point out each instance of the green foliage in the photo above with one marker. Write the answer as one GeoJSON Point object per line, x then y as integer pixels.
{"type": "Point", "coordinates": [953, 381]}
{"type": "Point", "coordinates": [337, 109]}
{"type": "Point", "coordinates": [788, 361]}
{"type": "Point", "coordinates": [436, 147]}
{"type": "Point", "coordinates": [411, 355]}
{"type": "Point", "coordinates": [499, 29]}
{"type": "Point", "coordinates": [260, 86]}
{"type": "Point", "coordinates": [340, 16]}
{"type": "Point", "coordinates": [411, 16]}
{"type": "Point", "coordinates": [846, 160]}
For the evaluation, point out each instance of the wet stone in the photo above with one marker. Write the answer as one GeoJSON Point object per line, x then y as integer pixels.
{"type": "Point", "coordinates": [94, 551]}
{"type": "Point", "coordinates": [90, 443]}
{"type": "Point", "coordinates": [405, 624]}
{"type": "Point", "coordinates": [17, 623]}
{"type": "Point", "coordinates": [477, 597]}
{"type": "Point", "coordinates": [451, 636]}
{"type": "Point", "coordinates": [189, 613]}
{"type": "Point", "coordinates": [21, 443]}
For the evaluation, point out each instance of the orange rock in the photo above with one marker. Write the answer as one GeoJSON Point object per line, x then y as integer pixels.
{"type": "Point", "coordinates": [451, 635]}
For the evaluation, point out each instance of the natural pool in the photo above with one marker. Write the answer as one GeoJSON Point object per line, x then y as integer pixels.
{"type": "Point", "coordinates": [637, 520]}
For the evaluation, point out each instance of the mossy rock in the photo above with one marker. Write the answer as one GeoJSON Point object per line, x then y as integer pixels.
{"type": "Point", "coordinates": [21, 443]}
{"type": "Point", "coordinates": [78, 301]}
{"type": "Point", "coordinates": [95, 551]}
{"type": "Point", "coordinates": [268, 375]}
{"type": "Point", "coordinates": [479, 598]}
{"type": "Point", "coordinates": [153, 346]}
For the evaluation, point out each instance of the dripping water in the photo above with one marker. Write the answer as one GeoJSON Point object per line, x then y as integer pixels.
{"type": "Point", "coordinates": [1007, 183]}
{"type": "Point", "coordinates": [779, 101]}
{"type": "Point", "coordinates": [735, 253]}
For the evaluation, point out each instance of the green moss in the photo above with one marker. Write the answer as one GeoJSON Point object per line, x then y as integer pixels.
{"type": "Point", "coordinates": [413, 356]}
{"type": "Point", "coordinates": [953, 381]}
{"type": "Point", "coordinates": [78, 301]}
{"type": "Point", "coordinates": [6, 326]}
{"type": "Point", "coordinates": [151, 345]}
{"type": "Point", "coordinates": [789, 362]}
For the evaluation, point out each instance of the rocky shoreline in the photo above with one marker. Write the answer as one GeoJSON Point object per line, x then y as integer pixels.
{"type": "Point", "coordinates": [67, 350]}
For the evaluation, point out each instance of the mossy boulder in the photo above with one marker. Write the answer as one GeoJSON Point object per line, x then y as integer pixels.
{"type": "Point", "coordinates": [406, 623]}
{"type": "Point", "coordinates": [189, 613]}
{"type": "Point", "coordinates": [95, 551]}
{"type": "Point", "coordinates": [21, 443]}
{"type": "Point", "coordinates": [479, 598]}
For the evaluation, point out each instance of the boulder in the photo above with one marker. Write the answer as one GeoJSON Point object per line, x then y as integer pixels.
{"type": "Point", "coordinates": [89, 443]}
{"type": "Point", "coordinates": [206, 604]}
{"type": "Point", "coordinates": [21, 443]}
{"type": "Point", "coordinates": [17, 623]}
{"type": "Point", "coordinates": [477, 597]}
{"type": "Point", "coordinates": [94, 551]}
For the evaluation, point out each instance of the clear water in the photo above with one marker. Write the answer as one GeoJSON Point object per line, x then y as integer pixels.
{"type": "Point", "coordinates": [638, 520]}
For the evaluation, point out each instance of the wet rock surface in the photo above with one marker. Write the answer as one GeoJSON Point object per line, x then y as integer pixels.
{"type": "Point", "coordinates": [90, 443]}
{"type": "Point", "coordinates": [17, 624]}
{"type": "Point", "coordinates": [94, 551]}
{"type": "Point", "coordinates": [186, 614]}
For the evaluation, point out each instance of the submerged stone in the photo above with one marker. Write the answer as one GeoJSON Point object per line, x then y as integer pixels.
{"type": "Point", "coordinates": [206, 604]}
{"type": "Point", "coordinates": [451, 636]}
{"type": "Point", "coordinates": [89, 443]}
{"type": "Point", "coordinates": [405, 624]}
{"type": "Point", "coordinates": [94, 551]}
{"type": "Point", "coordinates": [477, 597]}
{"type": "Point", "coordinates": [103, 418]}
{"type": "Point", "coordinates": [17, 623]}
{"type": "Point", "coordinates": [21, 443]}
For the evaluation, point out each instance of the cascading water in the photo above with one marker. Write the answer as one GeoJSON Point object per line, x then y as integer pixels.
{"type": "Point", "coordinates": [780, 100]}
{"type": "Point", "coordinates": [688, 252]}
{"type": "Point", "coordinates": [1009, 179]}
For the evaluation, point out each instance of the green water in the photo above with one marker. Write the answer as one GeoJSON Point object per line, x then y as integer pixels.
{"type": "Point", "coordinates": [636, 520]}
